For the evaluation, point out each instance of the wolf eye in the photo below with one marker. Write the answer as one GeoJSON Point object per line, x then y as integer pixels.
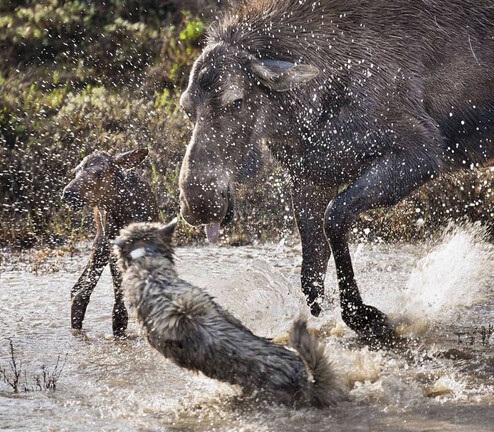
{"type": "Point", "coordinates": [237, 104]}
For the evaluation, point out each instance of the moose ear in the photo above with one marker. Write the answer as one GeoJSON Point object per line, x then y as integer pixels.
{"type": "Point", "coordinates": [132, 158]}
{"type": "Point", "coordinates": [168, 230]}
{"type": "Point", "coordinates": [281, 75]}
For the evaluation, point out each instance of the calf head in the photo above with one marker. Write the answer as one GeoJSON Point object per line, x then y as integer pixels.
{"type": "Point", "coordinates": [98, 178]}
{"type": "Point", "coordinates": [233, 102]}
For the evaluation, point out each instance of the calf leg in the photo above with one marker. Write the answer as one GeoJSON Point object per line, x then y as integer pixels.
{"type": "Point", "coordinates": [82, 290]}
{"type": "Point", "coordinates": [309, 204]}
{"type": "Point", "coordinates": [384, 183]}
{"type": "Point", "coordinates": [120, 316]}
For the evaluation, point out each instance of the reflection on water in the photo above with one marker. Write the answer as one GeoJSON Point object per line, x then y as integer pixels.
{"type": "Point", "coordinates": [442, 379]}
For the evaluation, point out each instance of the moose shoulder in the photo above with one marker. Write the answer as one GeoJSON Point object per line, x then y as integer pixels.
{"type": "Point", "coordinates": [382, 95]}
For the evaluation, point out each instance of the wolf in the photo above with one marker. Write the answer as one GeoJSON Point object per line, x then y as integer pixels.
{"type": "Point", "coordinates": [187, 326]}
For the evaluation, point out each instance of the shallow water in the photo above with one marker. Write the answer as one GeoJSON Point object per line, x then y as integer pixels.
{"type": "Point", "coordinates": [441, 379]}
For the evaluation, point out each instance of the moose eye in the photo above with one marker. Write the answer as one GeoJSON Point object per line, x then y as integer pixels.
{"type": "Point", "coordinates": [237, 104]}
{"type": "Point", "coordinates": [189, 111]}
{"type": "Point", "coordinates": [190, 115]}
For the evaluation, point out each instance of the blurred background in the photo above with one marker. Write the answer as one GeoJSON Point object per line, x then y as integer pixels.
{"type": "Point", "coordinates": [76, 76]}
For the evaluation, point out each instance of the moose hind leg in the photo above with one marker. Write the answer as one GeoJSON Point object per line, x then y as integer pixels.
{"type": "Point", "coordinates": [120, 316]}
{"type": "Point", "coordinates": [382, 184]}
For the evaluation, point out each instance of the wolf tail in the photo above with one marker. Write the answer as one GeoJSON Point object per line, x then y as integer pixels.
{"type": "Point", "coordinates": [325, 388]}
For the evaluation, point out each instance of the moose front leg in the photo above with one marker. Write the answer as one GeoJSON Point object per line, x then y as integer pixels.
{"type": "Point", "coordinates": [309, 204]}
{"type": "Point", "coordinates": [120, 316]}
{"type": "Point", "coordinates": [382, 184]}
{"type": "Point", "coordinates": [82, 290]}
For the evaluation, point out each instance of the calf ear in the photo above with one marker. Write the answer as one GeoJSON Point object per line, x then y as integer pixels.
{"type": "Point", "coordinates": [281, 75]}
{"type": "Point", "coordinates": [132, 158]}
{"type": "Point", "coordinates": [168, 230]}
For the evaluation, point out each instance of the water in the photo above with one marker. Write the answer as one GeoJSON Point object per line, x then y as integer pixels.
{"type": "Point", "coordinates": [442, 379]}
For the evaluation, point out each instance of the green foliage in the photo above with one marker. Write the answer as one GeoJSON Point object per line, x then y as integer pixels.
{"type": "Point", "coordinates": [193, 28]}
{"type": "Point", "coordinates": [78, 76]}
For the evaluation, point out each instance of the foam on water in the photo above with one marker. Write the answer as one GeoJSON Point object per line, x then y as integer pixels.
{"type": "Point", "coordinates": [259, 295]}
{"type": "Point", "coordinates": [454, 273]}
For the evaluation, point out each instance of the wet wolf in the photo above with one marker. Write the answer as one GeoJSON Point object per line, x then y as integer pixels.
{"type": "Point", "coordinates": [188, 327]}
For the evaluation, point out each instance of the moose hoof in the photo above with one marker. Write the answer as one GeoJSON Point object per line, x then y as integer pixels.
{"type": "Point", "coordinates": [76, 321]}
{"type": "Point", "coordinates": [315, 309]}
{"type": "Point", "coordinates": [119, 331]}
{"type": "Point", "coordinates": [368, 322]}
{"type": "Point", "coordinates": [76, 325]}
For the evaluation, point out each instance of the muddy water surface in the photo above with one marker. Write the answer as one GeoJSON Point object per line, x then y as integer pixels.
{"type": "Point", "coordinates": [442, 379]}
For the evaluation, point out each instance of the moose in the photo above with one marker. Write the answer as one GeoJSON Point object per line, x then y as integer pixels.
{"type": "Point", "coordinates": [380, 96]}
{"type": "Point", "coordinates": [118, 197]}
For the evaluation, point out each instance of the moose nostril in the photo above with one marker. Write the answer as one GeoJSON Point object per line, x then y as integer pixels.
{"type": "Point", "coordinates": [68, 194]}
{"type": "Point", "coordinates": [71, 198]}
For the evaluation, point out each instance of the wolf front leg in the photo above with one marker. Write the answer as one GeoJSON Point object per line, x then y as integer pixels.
{"type": "Point", "coordinates": [382, 184]}
{"type": "Point", "coordinates": [82, 290]}
{"type": "Point", "coordinates": [309, 204]}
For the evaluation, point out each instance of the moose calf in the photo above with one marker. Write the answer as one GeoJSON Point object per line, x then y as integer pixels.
{"type": "Point", "coordinates": [118, 197]}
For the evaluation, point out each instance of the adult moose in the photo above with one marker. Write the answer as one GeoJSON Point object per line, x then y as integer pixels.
{"type": "Point", "coordinates": [381, 95]}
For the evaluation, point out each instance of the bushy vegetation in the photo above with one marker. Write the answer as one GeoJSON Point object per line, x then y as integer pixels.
{"type": "Point", "coordinates": [79, 75]}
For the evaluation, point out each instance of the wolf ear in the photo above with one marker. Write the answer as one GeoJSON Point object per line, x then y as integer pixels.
{"type": "Point", "coordinates": [281, 75]}
{"type": "Point", "coordinates": [118, 242]}
{"type": "Point", "coordinates": [131, 158]}
{"type": "Point", "coordinates": [168, 230]}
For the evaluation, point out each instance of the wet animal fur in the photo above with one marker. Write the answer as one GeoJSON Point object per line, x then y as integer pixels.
{"type": "Point", "coordinates": [187, 326]}
{"type": "Point", "coordinates": [380, 96]}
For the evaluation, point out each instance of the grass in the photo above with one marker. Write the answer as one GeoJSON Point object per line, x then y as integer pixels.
{"type": "Point", "coordinates": [18, 379]}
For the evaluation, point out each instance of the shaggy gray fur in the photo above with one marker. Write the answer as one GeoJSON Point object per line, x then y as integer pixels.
{"type": "Point", "coordinates": [187, 326]}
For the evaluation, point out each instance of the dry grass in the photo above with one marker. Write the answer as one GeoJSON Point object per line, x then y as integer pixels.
{"type": "Point", "coordinates": [18, 379]}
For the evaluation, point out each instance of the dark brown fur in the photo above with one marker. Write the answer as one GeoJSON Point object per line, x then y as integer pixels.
{"type": "Point", "coordinates": [118, 197]}
{"type": "Point", "coordinates": [380, 95]}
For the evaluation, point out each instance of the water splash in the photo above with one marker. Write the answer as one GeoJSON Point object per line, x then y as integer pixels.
{"type": "Point", "coordinates": [454, 274]}
{"type": "Point", "coordinates": [259, 295]}
{"type": "Point", "coordinates": [126, 385]}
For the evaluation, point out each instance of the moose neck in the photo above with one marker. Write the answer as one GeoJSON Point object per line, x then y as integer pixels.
{"type": "Point", "coordinates": [119, 206]}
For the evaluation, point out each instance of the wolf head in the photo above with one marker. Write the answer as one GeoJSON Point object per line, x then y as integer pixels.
{"type": "Point", "coordinates": [144, 239]}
